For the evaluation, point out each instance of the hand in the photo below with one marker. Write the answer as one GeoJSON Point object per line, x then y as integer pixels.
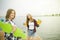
{"type": "Point", "coordinates": [25, 24]}
{"type": "Point", "coordinates": [13, 29]}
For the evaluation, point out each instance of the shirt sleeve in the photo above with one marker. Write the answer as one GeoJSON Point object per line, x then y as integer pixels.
{"type": "Point", "coordinates": [12, 23]}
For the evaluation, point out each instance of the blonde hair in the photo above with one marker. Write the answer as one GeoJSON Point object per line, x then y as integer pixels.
{"type": "Point", "coordinates": [9, 12]}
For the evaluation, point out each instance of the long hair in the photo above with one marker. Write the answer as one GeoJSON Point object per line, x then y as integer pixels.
{"type": "Point", "coordinates": [9, 12]}
{"type": "Point", "coordinates": [27, 20]}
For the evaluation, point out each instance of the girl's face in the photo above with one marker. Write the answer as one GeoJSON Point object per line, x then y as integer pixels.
{"type": "Point", "coordinates": [12, 15]}
{"type": "Point", "coordinates": [29, 16]}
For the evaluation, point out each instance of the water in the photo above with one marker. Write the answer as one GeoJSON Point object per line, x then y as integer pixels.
{"type": "Point", "coordinates": [49, 28]}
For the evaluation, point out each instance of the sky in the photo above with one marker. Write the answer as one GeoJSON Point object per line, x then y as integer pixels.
{"type": "Point", "coordinates": [34, 7]}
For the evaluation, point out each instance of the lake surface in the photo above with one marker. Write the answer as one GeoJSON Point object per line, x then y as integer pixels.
{"type": "Point", "coordinates": [49, 28]}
